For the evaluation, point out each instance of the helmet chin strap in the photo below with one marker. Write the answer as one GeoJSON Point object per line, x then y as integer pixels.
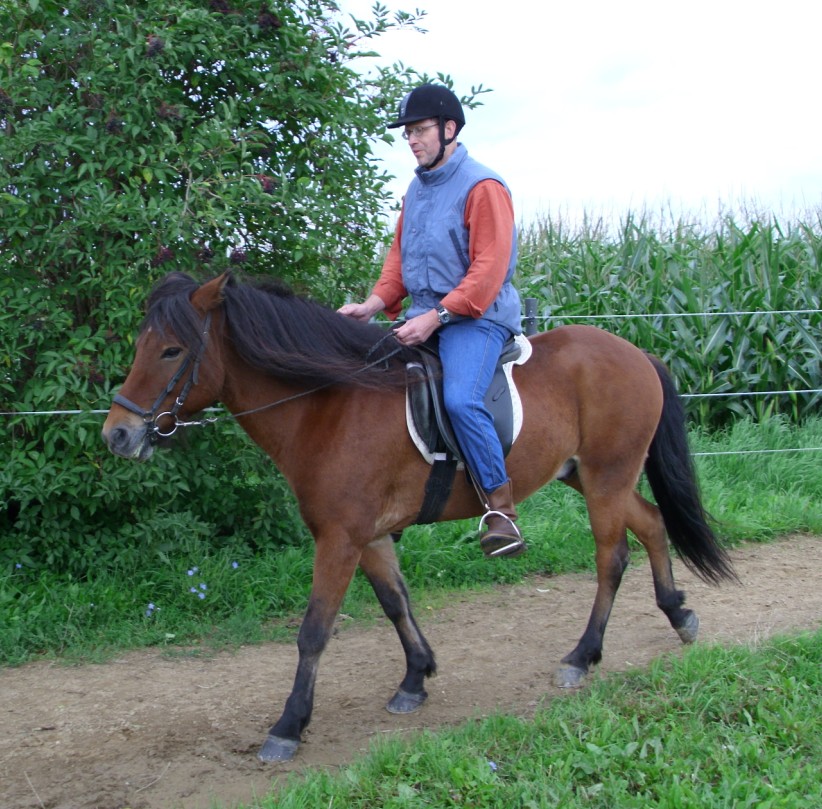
{"type": "Point", "coordinates": [443, 143]}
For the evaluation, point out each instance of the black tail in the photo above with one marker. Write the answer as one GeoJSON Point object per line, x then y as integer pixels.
{"type": "Point", "coordinates": [672, 477]}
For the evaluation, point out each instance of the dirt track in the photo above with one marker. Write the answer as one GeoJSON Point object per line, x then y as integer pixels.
{"type": "Point", "coordinates": [151, 732]}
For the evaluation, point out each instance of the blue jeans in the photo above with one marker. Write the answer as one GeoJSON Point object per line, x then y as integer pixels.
{"type": "Point", "coordinates": [469, 350]}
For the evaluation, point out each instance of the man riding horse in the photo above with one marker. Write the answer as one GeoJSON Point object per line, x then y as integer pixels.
{"type": "Point", "coordinates": [454, 253]}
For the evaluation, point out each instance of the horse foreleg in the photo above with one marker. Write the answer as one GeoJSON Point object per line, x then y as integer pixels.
{"type": "Point", "coordinates": [380, 565]}
{"type": "Point", "coordinates": [334, 565]}
{"type": "Point", "coordinates": [646, 522]}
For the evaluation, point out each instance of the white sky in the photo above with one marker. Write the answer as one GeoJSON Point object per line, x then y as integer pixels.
{"type": "Point", "coordinates": [611, 106]}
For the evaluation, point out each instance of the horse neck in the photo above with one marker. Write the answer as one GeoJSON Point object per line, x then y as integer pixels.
{"type": "Point", "coordinates": [275, 410]}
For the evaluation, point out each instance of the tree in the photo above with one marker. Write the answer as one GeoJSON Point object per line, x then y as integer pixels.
{"type": "Point", "coordinates": [137, 138]}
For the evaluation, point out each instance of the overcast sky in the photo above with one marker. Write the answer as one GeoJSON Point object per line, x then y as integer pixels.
{"type": "Point", "coordinates": [610, 106]}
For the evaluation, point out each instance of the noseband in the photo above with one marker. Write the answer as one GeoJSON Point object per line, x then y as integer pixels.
{"type": "Point", "coordinates": [151, 417]}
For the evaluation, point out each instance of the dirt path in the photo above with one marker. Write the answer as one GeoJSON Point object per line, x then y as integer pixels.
{"type": "Point", "coordinates": [149, 732]}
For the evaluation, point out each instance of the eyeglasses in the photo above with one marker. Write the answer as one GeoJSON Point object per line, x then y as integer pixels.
{"type": "Point", "coordinates": [416, 131]}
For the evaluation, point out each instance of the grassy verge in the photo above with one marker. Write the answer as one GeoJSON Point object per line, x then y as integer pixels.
{"type": "Point", "coordinates": [205, 598]}
{"type": "Point", "coordinates": [716, 727]}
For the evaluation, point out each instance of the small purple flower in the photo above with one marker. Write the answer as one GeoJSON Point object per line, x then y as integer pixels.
{"type": "Point", "coordinates": [203, 586]}
{"type": "Point", "coordinates": [150, 610]}
{"type": "Point", "coordinates": [18, 566]}
{"type": "Point", "coordinates": [192, 571]}
{"type": "Point", "coordinates": [192, 589]}
{"type": "Point", "coordinates": [493, 766]}
{"type": "Point", "coordinates": [235, 565]}
{"type": "Point", "coordinates": [200, 595]}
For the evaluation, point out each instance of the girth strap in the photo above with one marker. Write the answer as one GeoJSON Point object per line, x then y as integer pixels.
{"type": "Point", "coordinates": [437, 489]}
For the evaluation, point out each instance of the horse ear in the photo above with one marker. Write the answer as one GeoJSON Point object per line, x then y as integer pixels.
{"type": "Point", "coordinates": [210, 295]}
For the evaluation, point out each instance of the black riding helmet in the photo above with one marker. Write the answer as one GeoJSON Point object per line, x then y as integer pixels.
{"type": "Point", "coordinates": [431, 101]}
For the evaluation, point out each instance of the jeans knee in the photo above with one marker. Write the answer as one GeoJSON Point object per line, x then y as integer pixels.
{"type": "Point", "coordinates": [457, 402]}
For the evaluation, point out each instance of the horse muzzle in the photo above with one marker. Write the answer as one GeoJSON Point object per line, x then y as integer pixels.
{"type": "Point", "coordinates": [129, 439]}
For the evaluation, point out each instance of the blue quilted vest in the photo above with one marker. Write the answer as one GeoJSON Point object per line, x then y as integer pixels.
{"type": "Point", "coordinates": [435, 239]}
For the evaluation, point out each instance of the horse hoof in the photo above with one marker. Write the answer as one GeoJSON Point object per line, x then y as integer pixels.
{"type": "Point", "coordinates": [570, 677]}
{"type": "Point", "coordinates": [277, 749]}
{"type": "Point", "coordinates": [689, 629]}
{"type": "Point", "coordinates": [404, 702]}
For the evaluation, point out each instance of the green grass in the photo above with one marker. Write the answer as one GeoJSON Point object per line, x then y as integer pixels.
{"type": "Point", "coordinates": [200, 597]}
{"type": "Point", "coordinates": [714, 727]}
{"type": "Point", "coordinates": [251, 597]}
{"type": "Point", "coordinates": [750, 494]}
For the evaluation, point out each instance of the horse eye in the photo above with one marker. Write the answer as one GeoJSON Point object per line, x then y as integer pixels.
{"type": "Point", "coordinates": [171, 353]}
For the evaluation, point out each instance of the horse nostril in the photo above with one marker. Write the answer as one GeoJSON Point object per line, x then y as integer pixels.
{"type": "Point", "coordinates": [118, 438]}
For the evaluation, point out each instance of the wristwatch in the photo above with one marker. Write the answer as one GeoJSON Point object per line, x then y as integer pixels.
{"type": "Point", "coordinates": [443, 315]}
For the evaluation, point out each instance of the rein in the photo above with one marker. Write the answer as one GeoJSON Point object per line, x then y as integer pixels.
{"type": "Point", "coordinates": [151, 417]}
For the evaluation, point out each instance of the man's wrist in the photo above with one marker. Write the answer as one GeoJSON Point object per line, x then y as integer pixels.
{"type": "Point", "coordinates": [443, 315]}
{"type": "Point", "coordinates": [375, 304]}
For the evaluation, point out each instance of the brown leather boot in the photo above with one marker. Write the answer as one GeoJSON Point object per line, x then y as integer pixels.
{"type": "Point", "coordinates": [502, 537]}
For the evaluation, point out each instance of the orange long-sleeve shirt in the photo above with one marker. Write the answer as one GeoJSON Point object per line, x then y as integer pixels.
{"type": "Point", "coordinates": [489, 217]}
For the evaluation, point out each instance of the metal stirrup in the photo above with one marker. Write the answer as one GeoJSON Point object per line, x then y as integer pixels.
{"type": "Point", "coordinates": [491, 512]}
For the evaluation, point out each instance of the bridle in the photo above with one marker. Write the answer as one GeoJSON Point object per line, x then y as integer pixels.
{"type": "Point", "coordinates": [151, 417]}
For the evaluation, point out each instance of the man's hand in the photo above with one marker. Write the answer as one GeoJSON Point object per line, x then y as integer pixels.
{"type": "Point", "coordinates": [363, 311]}
{"type": "Point", "coordinates": [418, 329]}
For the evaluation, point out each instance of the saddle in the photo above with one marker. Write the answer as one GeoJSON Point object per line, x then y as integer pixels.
{"type": "Point", "coordinates": [429, 425]}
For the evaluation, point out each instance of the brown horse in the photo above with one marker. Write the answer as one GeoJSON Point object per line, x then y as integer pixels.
{"type": "Point", "coordinates": [324, 396]}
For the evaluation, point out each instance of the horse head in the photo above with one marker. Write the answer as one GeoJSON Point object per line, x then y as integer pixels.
{"type": "Point", "coordinates": [177, 369]}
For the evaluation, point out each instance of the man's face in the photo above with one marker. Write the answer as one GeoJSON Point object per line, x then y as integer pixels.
{"type": "Point", "coordinates": [424, 139]}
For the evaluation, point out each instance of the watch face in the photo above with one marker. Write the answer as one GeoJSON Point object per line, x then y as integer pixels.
{"type": "Point", "coordinates": [443, 314]}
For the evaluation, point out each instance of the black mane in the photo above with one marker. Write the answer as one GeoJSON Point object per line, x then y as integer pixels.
{"type": "Point", "coordinates": [284, 334]}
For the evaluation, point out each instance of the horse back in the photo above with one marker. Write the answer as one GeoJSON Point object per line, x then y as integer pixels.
{"type": "Point", "coordinates": [585, 392]}
{"type": "Point", "coordinates": [590, 365]}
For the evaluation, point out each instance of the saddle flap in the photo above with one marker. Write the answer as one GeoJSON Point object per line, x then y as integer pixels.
{"type": "Point", "coordinates": [420, 405]}
{"type": "Point", "coordinates": [428, 421]}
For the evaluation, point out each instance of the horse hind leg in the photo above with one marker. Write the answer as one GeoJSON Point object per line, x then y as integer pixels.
{"type": "Point", "coordinates": [606, 514]}
{"type": "Point", "coordinates": [646, 523]}
{"type": "Point", "coordinates": [612, 559]}
{"type": "Point", "coordinates": [380, 565]}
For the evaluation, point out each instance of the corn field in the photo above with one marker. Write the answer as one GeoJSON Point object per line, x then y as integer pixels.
{"type": "Point", "coordinates": [733, 308]}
